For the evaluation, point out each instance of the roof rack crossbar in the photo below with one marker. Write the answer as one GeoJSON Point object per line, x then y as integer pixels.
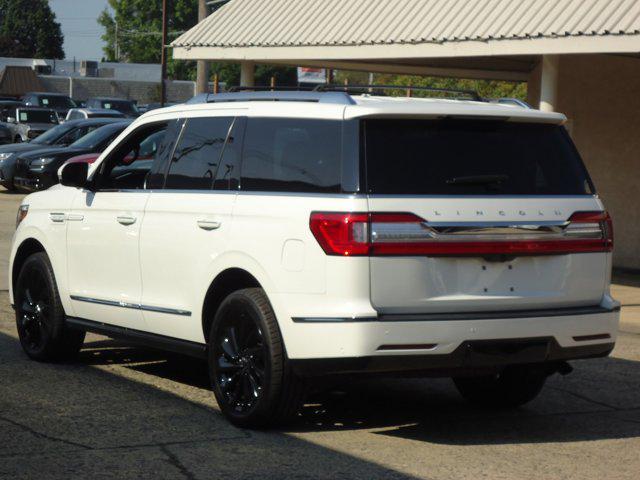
{"type": "Point", "coordinates": [350, 88]}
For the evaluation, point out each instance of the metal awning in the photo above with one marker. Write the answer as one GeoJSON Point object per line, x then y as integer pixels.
{"type": "Point", "coordinates": [413, 36]}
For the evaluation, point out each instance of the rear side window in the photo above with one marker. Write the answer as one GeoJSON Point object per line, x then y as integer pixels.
{"type": "Point", "coordinates": [466, 157]}
{"type": "Point", "coordinates": [197, 156]}
{"type": "Point", "coordinates": [291, 155]}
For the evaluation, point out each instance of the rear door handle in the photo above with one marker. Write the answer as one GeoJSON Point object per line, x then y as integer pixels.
{"type": "Point", "coordinates": [208, 224]}
{"type": "Point", "coordinates": [126, 220]}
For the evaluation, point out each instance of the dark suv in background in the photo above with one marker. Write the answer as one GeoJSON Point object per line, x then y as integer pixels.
{"type": "Point", "coordinates": [56, 101]}
{"type": "Point", "coordinates": [61, 135]}
{"type": "Point", "coordinates": [127, 107]}
{"type": "Point", "coordinates": [38, 170]}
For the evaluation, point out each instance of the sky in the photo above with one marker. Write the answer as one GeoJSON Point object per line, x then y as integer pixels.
{"type": "Point", "coordinates": [79, 26]}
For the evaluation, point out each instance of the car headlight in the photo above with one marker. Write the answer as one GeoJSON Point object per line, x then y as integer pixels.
{"type": "Point", "coordinates": [22, 213]}
{"type": "Point", "coordinates": [4, 156]}
{"type": "Point", "coordinates": [41, 162]}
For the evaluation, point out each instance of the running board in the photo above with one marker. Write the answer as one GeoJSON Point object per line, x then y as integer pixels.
{"type": "Point", "coordinates": [162, 342]}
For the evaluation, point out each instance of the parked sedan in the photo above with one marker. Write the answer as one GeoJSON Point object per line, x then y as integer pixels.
{"type": "Point", "coordinates": [61, 135]}
{"type": "Point", "coordinates": [38, 170]}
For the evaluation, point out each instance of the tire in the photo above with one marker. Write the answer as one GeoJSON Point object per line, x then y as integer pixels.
{"type": "Point", "coordinates": [247, 361]}
{"type": "Point", "coordinates": [40, 317]}
{"type": "Point", "coordinates": [511, 388]}
{"type": "Point", "coordinates": [18, 139]}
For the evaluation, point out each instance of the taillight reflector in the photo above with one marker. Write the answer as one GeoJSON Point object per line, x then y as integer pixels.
{"type": "Point", "coordinates": [406, 234]}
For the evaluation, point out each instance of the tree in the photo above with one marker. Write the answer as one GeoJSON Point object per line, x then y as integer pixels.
{"type": "Point", "coordinates": [139, 38]}
{"type": "Point", "coordinates": [486, 88]}
{"type": "Point", "coordinates": [28, 28]}
{"type": "Point", "coordinates": [135, 29]}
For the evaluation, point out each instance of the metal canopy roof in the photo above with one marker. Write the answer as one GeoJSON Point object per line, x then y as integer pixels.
{"type": "Point", "coordinates": [374, 31]}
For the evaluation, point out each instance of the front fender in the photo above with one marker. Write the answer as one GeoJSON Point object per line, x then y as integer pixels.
{"type": "Point", "coordinates": [52, 238]}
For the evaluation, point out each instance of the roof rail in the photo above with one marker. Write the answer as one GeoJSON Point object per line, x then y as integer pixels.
{"type": "Point", "coordinates": [509, 101]}
{"type": "Point", "coordinates": [368, 88]}
{"type": "Point", "coordinates": [251, 95]}
{"type": "Point", "coordinates": [264, 88]}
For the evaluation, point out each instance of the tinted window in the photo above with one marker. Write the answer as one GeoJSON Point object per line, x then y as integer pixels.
{"type": "Point", "coordinates": [456, 157]}
{"type": "Point", "coordinates": [56, 101]}
{"type": "Point", "coordinates": [227, 173]}
{"type": "Point", "coordinates": [98, 137]}
{"type": "Point", "coordinates": [195, 160]}
{"type": "Point", "coordinates": [120, 105]}
{"type": "Point", "coordinates": [291, 155]}
{"type": "Point", "coordinates": [156, 176]}
{"type": "Point", "coordinates": [53, 135]}
{"type": "Point", "coordinates": [129, 163]}
{"type": "Point", "coordinates": [37, 116]}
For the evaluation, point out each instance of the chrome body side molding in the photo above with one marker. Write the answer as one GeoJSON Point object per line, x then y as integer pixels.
{"type": "Point", "coordinates": [136, 306]}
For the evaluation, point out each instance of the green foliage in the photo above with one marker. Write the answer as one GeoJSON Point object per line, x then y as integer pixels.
{"type": "Point", "coordinates": [139, 25]}
{"type": "Point", "coordinates": [139, 31]}
{"type": "Point", "coordinates": [28, 28]}
{"type": "Point", "coordinates": [486, 88]}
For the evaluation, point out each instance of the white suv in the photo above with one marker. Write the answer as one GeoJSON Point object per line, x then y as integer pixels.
{"type": "Point", "coordinates": [325, 234]}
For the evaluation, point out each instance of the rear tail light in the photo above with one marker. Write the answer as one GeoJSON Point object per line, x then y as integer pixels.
{"type": "Point", "coordinates": [406, 234]}
{"type": "Point", "coordinates": [345, 234]}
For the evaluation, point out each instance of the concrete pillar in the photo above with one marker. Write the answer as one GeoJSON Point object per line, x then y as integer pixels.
{"type": "Point", "coordinates": [202, 72]}
{"type": "Point", "coordinates": [542, 88]}
{"type": "Point", "coordinates": [247, 74]}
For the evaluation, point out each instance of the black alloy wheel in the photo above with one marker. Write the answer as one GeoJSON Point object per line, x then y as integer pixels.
{"type": "Point", "coordinates": [251, 379]}
{"type": "Point", "coordinates": [241, 357]}
{"type": "Point", "coordinates": [33, 307]}
{"type": "Point", "coordinates": [40, 317]}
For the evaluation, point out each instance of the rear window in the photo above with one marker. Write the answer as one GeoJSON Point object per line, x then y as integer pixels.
{"type": "Point", "coordinates": [291, 155]}
{"type": "Point", "coordinates": [471, 157]}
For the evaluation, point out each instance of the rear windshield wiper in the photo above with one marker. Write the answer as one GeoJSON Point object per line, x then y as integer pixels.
{"type": "Point", "coordinates": [478, 180]}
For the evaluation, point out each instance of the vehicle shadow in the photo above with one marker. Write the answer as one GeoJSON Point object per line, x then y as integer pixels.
{"type": "Point", "coordinates": [600, 400]}
{"type": "Point", "coordinates": [57, 420]}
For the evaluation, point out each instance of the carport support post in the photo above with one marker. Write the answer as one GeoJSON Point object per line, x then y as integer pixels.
{"type": "Point", "coordinates": [202, 72]}
{"type": "Point", "coordinates": [247, 74]}
{"type": "Point", "coordinates": [542, 86]}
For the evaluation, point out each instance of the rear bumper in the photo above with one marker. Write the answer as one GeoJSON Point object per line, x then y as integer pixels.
{"type": "Point", "coordinates": [471, 357]}
{"type": "Point", "coordinates": [440, 344]}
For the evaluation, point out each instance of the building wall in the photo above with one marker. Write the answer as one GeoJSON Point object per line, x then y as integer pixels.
{"type": "Point", "coordinates": [600, 94]}
{"type": "Point", "coordinates": [143, 92]}
{"type": "Point", "coordinates": [71, 68]}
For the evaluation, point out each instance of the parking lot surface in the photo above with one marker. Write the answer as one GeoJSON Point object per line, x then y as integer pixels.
{"type": "Point", "coordinates": [126, 412]}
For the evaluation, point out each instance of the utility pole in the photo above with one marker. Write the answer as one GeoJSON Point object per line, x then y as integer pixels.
{"type": "Point", "coordinates": [117, 49]}
{"type": "Point", "coordinates": [163, 61]}
{"type": "Point", "coordinates": [202, 78]}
